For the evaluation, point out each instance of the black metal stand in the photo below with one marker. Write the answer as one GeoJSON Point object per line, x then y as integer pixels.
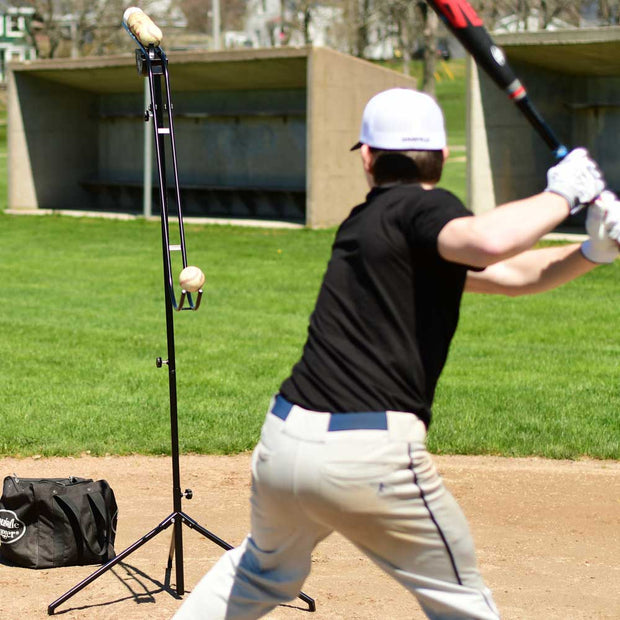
{"type": "Point", "coordinates": [153, 63]}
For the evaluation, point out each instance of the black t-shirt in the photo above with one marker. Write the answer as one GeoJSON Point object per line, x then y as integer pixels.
{"type": "Point", "coordinates": [387, 308]}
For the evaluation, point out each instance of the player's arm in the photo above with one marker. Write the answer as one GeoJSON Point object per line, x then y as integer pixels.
{"type": "Point", "coordinates": [539, 270]}
{"type": "Point", "coordinates": [510, 229]}
{"type": "Point", "coordinates": [505, 231]}
{"type": "Point", "coordinates": [533, 271]}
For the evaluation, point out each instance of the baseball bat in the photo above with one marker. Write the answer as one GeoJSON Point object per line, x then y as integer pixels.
{"type": "Point", "coordinates": [467, 26]}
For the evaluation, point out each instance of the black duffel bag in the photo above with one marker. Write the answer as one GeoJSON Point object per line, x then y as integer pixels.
{"type": "Point", "coordinates": [47, 522]}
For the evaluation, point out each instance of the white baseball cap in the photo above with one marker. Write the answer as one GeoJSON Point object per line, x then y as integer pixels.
{"type": "Point", "coordinates": [402, 119]}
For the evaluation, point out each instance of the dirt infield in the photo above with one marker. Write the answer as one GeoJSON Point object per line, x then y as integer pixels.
{"type": "Point", "coordinates": [547, 534]}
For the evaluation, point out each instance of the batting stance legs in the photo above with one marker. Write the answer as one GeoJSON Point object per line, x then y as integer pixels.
{"type": "Point", "coordinates": [367, 476]}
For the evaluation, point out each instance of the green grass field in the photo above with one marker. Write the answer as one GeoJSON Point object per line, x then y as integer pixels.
{"type": "Point", "coordinates": [83, 322]}
{"type": "Point", "coordinates": [3, 156]}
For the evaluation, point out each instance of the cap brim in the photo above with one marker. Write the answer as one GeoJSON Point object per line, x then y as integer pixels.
{"type": "Point", "coordinates": [356, 146]}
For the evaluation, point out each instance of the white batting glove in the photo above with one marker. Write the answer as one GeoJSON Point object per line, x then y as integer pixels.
{"type": "Point", "coordinates": [603, 226]}
{"type": "Point", "coordinates": [576, 178]}
{"type": "Point", "coordinates": [612, 218]}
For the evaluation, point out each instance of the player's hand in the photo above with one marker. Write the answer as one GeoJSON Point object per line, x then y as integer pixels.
{"type": "Point", "coordinates": [577, 178]}
{"type": "Point", "coordinates": [603, 227]}
{"type": "Point", "coordinates": [612, 216]}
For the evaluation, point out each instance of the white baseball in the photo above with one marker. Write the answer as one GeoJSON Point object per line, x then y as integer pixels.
{"type": "Point", "coordinates": [191, 279]}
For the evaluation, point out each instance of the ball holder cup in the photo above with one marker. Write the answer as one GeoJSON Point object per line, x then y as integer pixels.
{"type": "Point", "coordinates": [152, 64]}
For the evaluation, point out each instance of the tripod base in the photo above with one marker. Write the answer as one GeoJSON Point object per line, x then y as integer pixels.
{"type": "Point", "coordinates": [177, 519]}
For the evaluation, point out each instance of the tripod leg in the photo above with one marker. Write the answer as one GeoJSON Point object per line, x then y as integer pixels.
{"type": "Point", "coordinates": [119, 558]}
{"type": "Point", "coordinates": [170, 559]}
{"type": "Point", "coordinates": [206, 533]}
{"type": "Point", "coordinates": [178, 548]}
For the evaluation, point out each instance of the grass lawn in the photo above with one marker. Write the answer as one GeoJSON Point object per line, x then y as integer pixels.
{"type": "Point", "coordinates": [3, 155]}
{"type": "Point", "coordinates": [454, 176]}
{"type": "Point", "coordinates": [83, 322]}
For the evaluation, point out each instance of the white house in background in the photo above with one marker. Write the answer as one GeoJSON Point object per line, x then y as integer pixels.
{"type": "Point", "coordinates": [326, 27]}
{"type": "Point", "coordinates": [263, 23]}
{"type": "Point", "coordinates": [516, 23]}
{"type": "Point", "coordinates": [266, 26]}
{"type": "Point", "coordinates": [236, 39]}
{"type": "Point", "coordinates": [165, 13]}
{"type": "Point", "coordinates": [15, 18]}
{"type": "Point", "coordinates": [382, 39]}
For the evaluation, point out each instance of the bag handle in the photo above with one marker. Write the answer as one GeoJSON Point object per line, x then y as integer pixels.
{"type": "Point", "coordinates": [97, 501]}
{"type": "Point", "coordinates": [69, 507]}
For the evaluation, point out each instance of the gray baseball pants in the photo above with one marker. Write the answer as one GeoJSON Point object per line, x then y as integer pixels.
{"type": "Point", "coordinates": [365, 475]}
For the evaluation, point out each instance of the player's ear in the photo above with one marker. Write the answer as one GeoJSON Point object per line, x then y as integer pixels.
{"type": "Point", "coordinates": [368, 158]}
{"type": "Point", "coordinates": [368, 161]}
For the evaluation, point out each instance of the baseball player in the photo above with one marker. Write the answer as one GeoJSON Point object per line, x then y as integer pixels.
{"type": "Point", "coordinates": [343, 444]}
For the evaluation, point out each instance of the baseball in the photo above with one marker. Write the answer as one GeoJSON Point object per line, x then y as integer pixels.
{"type": "Point", "coordinates": [191, 279]}
{"type": "Point", "coordinates": [142, 26]}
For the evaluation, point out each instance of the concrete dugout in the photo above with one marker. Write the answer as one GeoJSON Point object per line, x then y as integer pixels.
{"type": "Point", "coordinates": [573, 79]}
{"type": "Point", "coordinates": [260, 134]}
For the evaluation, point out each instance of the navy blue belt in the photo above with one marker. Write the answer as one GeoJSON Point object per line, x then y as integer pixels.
{"type": "Point", "coordinates": [375, 420]}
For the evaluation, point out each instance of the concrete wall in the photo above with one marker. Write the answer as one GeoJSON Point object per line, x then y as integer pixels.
{"type": "Point", "coordinates": [52, 143]}
{"type": "Point", "coordinates": [260, 133]}
{"type": "Point", "coordinates": [573, 79]}
{"type": "Point", "coordinates": [236, 142]}
{"type": "Point", "coordinates": [596, 122]}
{"type": "Point", "coordinates": [339, 88]}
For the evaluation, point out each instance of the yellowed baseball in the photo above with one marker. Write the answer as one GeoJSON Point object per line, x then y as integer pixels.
{"type": "Point", "coordinates": [191, 279]}
{"type": "Point", "coordinates": [142, 26]}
